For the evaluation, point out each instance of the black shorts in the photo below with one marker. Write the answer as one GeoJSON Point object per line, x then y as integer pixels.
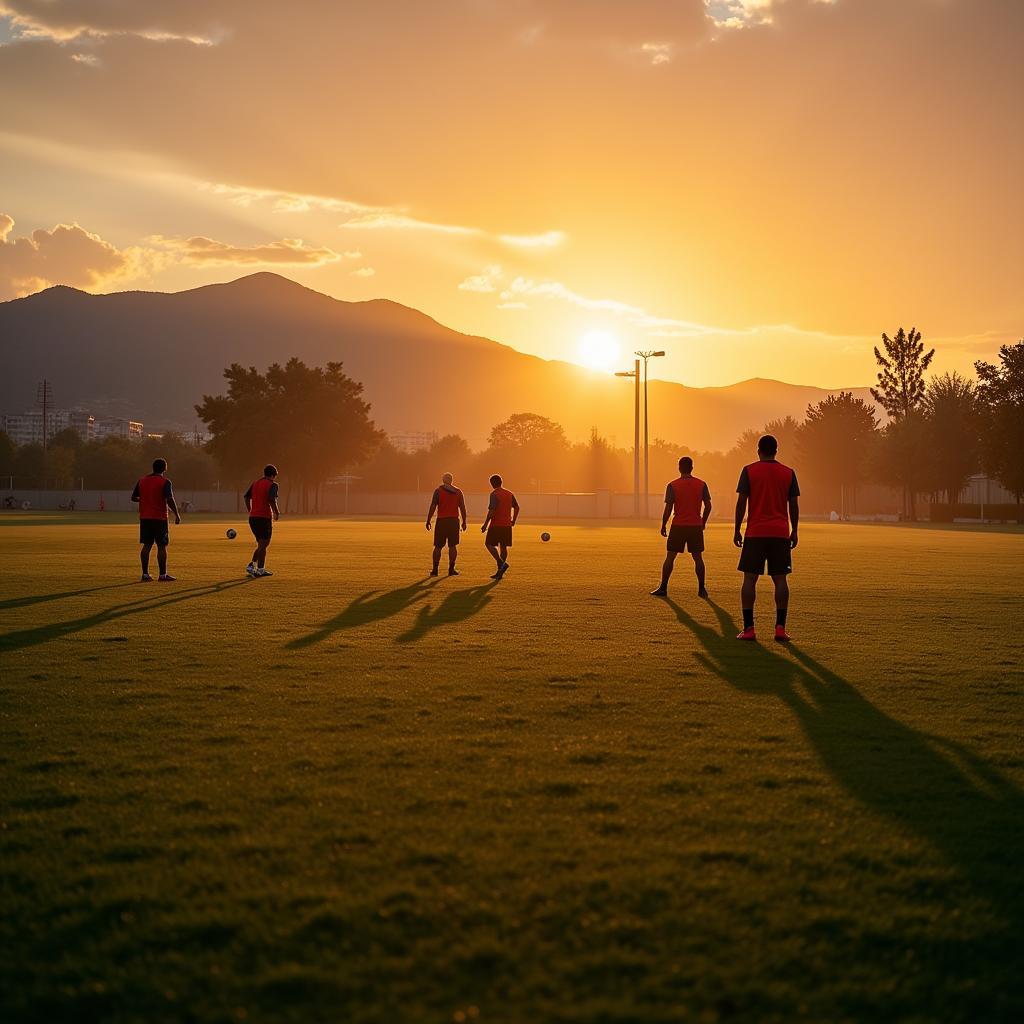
{"type": "Point", "coordinates": [776, 551]}
{"type": "Point", "coordinates": [154, 531]}
{"type": "Point", "coordinates": [497, 535]}
{"type": "Point", "coordinates": [682, 538]}
{"type": "Point", "coordinates": [262, 527]}
{"type": "Point", "coordinates": [446, 532]}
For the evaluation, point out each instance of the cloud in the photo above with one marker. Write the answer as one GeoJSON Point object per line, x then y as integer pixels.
{"type": "Point", "coordinates": [199, 250]}
{"type": "Point", "coordinates": [363, 217]}
{"type": "Point", "coordinates": [65, 254]}
{"type": "Point", "coordinates": [64, 21]}
{"type": "Point", "coordinates": [739, 13]}
{"type": "Point", "coordinates": [547, 240]}
{"type": "Point", "coordinates": [485, 282]}
{"type": "Point", "coordinates": [364, 272]}
{"type": "Point", "coordinates": [657, 53]}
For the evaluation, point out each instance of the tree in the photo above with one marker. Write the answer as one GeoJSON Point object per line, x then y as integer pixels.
{"type": "Point", "coordinates": [835, 443]}
{"type": "Point", "coordinates": [29, 466]}
{"type": "Point", "coordinates": [309, 420]}
{"type": "Point", "coordinates": [900, 391]}
{"type": "Point", "coordinates": [8, 450]}
{"type": "Point", "coordinates": [530, 448]}
{"type": "Point", "coordinates": [950, 408]}
{"type": "Point", "coordinates": [68, 438]}
{"type": "Point", "coordinates": [1001, 400]}
{"type": "Point", "coordinates": [901, 384]}
{"type": "Point", "coordinates": [525, 429]}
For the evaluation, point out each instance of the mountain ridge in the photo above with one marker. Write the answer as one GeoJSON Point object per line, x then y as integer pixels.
{"type": "Point", "coordinates": [155, 354]}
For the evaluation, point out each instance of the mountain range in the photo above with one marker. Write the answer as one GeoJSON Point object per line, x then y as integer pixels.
{"type": "Point", "coordinates": [153, 355]}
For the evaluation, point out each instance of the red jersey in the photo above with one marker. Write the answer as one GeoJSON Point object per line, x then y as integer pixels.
{"type": "Point", "coordinates": [768, 485]}
{"type": "Point", "coordinates": [260, 494]}
{"type": "Point", "coordinates": [153, 491]}
{"type": "Point", "coordinates": [686, 496]}
{"type": "Point", "coordinates": [449, 501]}
{"type": "Point", "coordinates": [501, 505]}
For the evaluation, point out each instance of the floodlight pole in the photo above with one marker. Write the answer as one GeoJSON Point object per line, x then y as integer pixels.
{"type": "Point", "coordinates": [635, 374]}
{"type": "Point", "coordinates": [647, 481]}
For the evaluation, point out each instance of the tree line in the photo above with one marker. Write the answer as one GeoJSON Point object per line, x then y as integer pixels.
{"type": "Point", "coordinates": [314, 422]}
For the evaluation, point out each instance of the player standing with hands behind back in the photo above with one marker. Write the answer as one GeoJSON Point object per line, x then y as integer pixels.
{"type": "Point", "coordinates": [768, 494]}
{"type": "Point", "coordinates": [261, 502]}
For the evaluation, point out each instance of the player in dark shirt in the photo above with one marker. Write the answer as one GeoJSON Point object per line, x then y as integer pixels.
{"type": "Point", "coordinates": [261, 503]}
{"type": "Point", "coordinates": [768, 496]}
{"type": "Point", "coordinates": [155, 496]}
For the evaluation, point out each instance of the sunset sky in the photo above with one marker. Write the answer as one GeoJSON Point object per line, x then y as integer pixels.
{"type": "Point", "coordinates": [760, 187]}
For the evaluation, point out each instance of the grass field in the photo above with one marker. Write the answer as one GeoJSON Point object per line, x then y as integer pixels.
{"type": "Point", "coordinates": [349, 793]}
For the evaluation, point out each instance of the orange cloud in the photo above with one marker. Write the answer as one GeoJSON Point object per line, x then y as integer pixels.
{"type": "Point", "coordinates": [65, 254]}
{"type": "Point", "coordinates": [209, 252]}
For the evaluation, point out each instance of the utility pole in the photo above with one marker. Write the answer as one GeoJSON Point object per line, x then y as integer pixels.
{"type": "Point", "coordinates": [647, 481]}
{"type": "Point", "coordinates": [635, 374]}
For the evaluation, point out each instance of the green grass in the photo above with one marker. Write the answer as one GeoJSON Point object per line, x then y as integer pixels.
{"type": "Point", "coordinates": [351, 794]}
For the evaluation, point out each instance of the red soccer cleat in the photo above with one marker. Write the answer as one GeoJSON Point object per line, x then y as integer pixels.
{"type": "Point", "coordinates": [781, 635]}
{"type": "Point", "coordinates": [747, 634]}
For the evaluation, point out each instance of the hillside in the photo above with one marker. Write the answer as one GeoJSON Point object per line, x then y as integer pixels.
{"type": "Point", "coordinates": [154, 355]}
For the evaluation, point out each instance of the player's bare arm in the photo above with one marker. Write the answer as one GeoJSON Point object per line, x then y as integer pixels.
{"type": "Point", "coordinates": [741, 511]}
{"type": "Point", "coordinates": [666, 515]}
{"type": "Point", "coordinates": [707, 513]}
{"type": "Point", "coordinates": [462, 510]}
{"type": "Point", "coordinates": [794, 519]}
{"type": "Point", "coordinates": [274, 508]}
{"type": "Point", "coordinates": [487, 521]}
{"type": "Point", "coordinates": [515, 511]}
{"type": "Point", "coordinates": [432, 509]}
{"type": "Point", "coordinates": [172, 505]}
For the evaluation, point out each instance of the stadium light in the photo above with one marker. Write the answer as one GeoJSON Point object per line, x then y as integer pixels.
{"type": "Point", "coordinates": [635, 374]}
{"type": "Point", "coordinates": [647, 480]}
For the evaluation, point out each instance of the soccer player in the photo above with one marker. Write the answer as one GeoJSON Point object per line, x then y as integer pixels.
{"type": "Point", "coordinates": [450, 504]}
{"type": "Point", "coordinates": [155, 496]}
{"type": "Point", "coordinates": [688, 501]}
{"type": "Point", "coordinates": [261, 503]}
{"type": "Point", "coordinates": [768, 494]}
{"type": "Point", "coordinates": [502, 513]}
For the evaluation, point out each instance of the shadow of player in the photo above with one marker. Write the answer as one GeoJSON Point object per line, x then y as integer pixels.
{"type": "Point", "coordinates": [372, 606]}
{"type": "Point", "coordinates": [154, 599]}
{"type": "Point", "coordinates": [935, 788]}
{"type": "Point", "coordinates": [456, 607]}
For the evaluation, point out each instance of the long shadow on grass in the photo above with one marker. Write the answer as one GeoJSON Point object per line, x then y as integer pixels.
{"type": "Point", "coordinates": [154, 600]}
{"type": "Point", "coordinates": [930, 786]}
{"type": "Point", "coordinates": [372, 606]}
{"type": "Point", "coordinates": [456, 607]}
{"type": "Point", "coordinates": [30, 599]}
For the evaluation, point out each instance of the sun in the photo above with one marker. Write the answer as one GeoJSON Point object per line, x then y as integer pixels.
{"type": "Point", "coordinates": [599, 350]}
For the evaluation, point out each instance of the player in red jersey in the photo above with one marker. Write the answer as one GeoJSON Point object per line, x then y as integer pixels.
{"type": "Point", "coordinates": [155, 496]}
{"type": "Point", "coordinates": [688, 502]}
{"type": "Point", "coordinates": [768, 496]}
{"type": "Point", "coordinates": [502, 513]}
{"type": "Point", "coordinates": [261, 503]}
{"type": "Point", "coordinates": [450, 504]}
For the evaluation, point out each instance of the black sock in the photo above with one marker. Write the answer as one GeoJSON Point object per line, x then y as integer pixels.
{"type": "Point", "coordinates": [748, 618]}
{"type": "Point", "coordinates": [780, 616]}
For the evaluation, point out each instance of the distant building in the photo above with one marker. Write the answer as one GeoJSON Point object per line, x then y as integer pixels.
{"type": "Point", "coordinates": [410, 441]}
{"type": "Point", "coordinates": [129, 430]}
{"type": "Point", "coordinates": [27, 427]}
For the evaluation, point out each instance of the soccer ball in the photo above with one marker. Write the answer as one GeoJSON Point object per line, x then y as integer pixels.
{"type": "Point", "coordinates": [545, 537]}
{"type": "Point", "coordinates": [232, 534]}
